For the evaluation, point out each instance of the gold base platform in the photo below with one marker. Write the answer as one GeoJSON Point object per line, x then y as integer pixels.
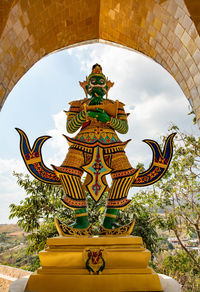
{"type": "Point", "coordinates": [100, 264]}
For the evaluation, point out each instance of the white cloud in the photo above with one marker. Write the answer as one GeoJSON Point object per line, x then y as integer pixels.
{"type": "Point", "coordinates": [7, 165]}
{"type": "Point", "coordinates": [58, 143]}
{"type": "Point", "coordinates": [10, 192]}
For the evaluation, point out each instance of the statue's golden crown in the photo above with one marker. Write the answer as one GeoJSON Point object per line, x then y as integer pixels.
{"type": "Point", "coordinates": [96, 69]}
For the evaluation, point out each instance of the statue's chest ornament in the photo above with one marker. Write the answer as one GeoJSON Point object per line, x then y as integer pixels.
{"type": "Point", "coordinates": [98, 132]}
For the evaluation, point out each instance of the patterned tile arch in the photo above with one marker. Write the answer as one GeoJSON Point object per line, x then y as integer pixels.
{"type": "Point", "coordinates": [165, 30]}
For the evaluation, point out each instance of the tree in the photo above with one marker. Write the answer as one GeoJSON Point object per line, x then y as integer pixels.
{"type": "Point", "coordinates": [37, 211]}
{"type": "Point", "coordinates": [178, 193]}
{"type": "Point", "coordinates": [180, 266]}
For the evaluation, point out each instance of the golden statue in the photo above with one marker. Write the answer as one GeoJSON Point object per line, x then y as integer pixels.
{"type": "Point", "coordinates": [113, 261]}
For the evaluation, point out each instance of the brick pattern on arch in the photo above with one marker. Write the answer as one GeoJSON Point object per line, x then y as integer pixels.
{"type": "Point", "coordinates": [162, 30]}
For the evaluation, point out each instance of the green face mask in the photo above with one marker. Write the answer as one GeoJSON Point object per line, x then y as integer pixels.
{"type": "Point", "coordinates": [97, 86]}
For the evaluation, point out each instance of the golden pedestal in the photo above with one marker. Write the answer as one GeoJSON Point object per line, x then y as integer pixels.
{"type": "Point", "coordinates": [88, 264]}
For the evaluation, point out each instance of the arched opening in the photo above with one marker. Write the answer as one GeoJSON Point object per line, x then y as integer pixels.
{"type": "Point", "coordinates": [37, 101]}
{"type": "Point", "coordinates": [164, 30]}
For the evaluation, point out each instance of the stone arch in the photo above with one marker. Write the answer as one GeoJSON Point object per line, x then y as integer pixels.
{"type": "Point", "coordinates": [160, 29]}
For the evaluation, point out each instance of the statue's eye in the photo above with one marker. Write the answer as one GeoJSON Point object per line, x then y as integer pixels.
{"type": "Point", "coordinates": [93, 80]}
{"type": "Point", "coordinates": [102, 81]}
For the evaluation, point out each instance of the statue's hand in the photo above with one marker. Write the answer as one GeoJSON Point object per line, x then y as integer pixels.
{"type": "Point", "coordinates": [100, 115]}
{"type": "Point", "coordinates": [92, 114]}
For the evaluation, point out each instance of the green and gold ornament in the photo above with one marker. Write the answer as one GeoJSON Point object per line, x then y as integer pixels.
{"type": "Point", "coordinates": [98, 151]}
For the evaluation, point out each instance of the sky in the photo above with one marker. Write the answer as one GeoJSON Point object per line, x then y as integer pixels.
{"type": "Point", "coordinates": [151, 95]}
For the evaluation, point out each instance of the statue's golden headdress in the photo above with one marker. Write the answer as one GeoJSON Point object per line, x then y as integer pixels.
{"type": "Point", "coordinates": [96, 70]}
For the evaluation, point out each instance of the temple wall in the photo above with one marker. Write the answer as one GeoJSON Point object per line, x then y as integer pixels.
{"type": "Point", "coordinates": [9, 275]}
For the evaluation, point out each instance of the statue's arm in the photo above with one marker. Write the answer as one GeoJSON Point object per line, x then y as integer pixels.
{"type": "Point", "coordinates": [120, 123]}
{"type": "Point", "coordinates": [75, 122]}
{"type": "Point", "coordinates": [75, 117]}
{"type": "Point", "coordinates": [121, 126]}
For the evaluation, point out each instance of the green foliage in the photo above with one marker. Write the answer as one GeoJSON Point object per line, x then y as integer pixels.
{"type": "Point", "coordinates": [41, 203]}
{"type": "Point", "coordinates": [178, 193]}
{"type": "Point", "coordinates": [143, 210]}
{"type": "Point", "coordinates": [37, 211]}
{"type": "Point", "coordinates": [3, 237]}
{"type": "Point", "coordinates": [8, 242]}
{"type": "Point", "coordinates": [17, 257]}
{"type": "Point", "coordinates": [180, 267]}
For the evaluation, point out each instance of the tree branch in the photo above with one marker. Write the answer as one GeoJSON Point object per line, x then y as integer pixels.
{"type": "Point", "coordinates": [186, 250]}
